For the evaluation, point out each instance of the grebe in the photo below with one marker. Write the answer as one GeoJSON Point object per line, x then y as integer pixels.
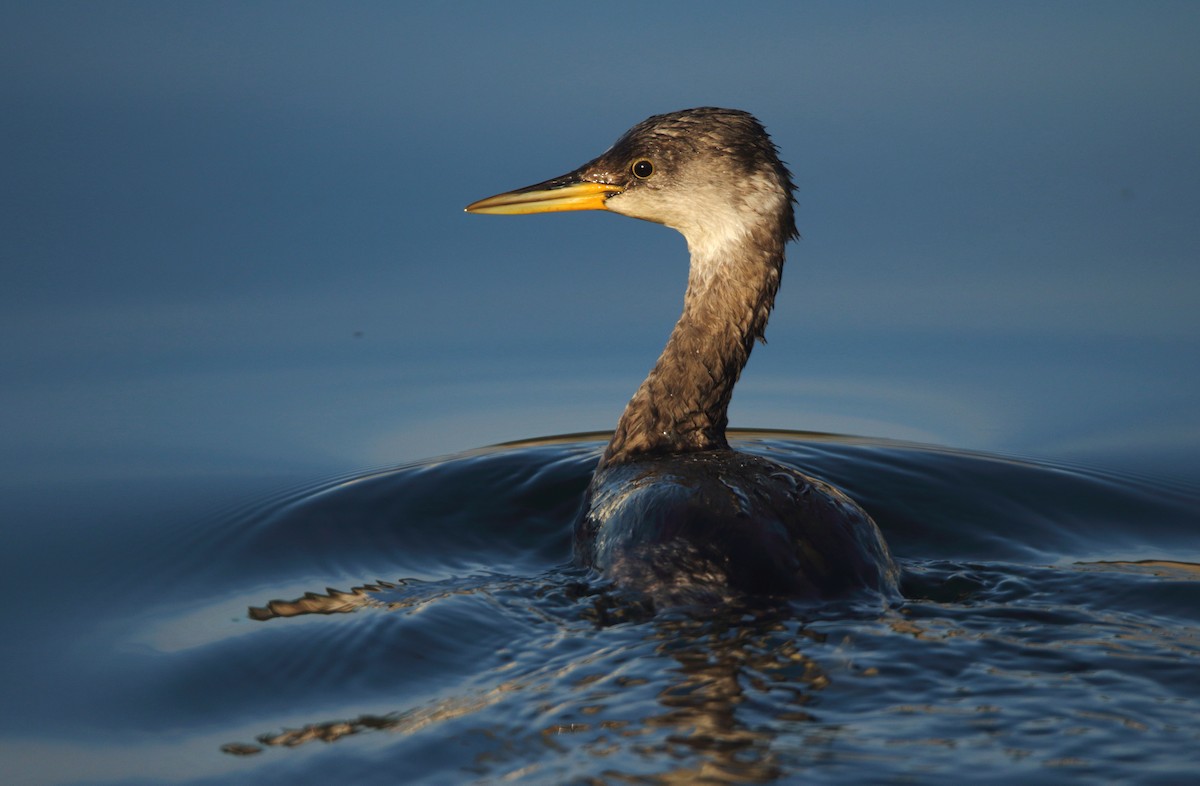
{"type": "Point", "coordinates": [671, 508]}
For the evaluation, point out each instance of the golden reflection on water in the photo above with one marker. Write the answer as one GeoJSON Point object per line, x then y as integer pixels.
{"type": "Point", "coordinates": [332, 601]}
{"type": "Point", "coordinates": [404, 722]}
{"type": "Point", "coordinates": [1168, 569]}
{"type": "Point", "coordinates": [713, 674]}
{"type": "Point", "coordinates": [727, 696]}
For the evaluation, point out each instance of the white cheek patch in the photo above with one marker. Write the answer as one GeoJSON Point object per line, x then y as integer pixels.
{"type": "Point", "coordinates": [714, 221]}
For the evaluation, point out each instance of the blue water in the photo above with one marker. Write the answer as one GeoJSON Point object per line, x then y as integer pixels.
{"type": "Point", "coordinates": [241, 309]}
{"type": "Point", "coordinates": [424, 622]}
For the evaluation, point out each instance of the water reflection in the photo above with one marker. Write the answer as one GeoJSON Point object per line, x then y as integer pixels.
{"type": "Point", "coordinates": [724, 683]}
{"type": "Point", "coordinates": [724, 667]}
{"type": "Point", "coordinates": [1048, 624]}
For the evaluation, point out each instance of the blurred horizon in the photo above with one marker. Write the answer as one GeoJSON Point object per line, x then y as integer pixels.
{"type": "Point", "coordinates": [233, 236]}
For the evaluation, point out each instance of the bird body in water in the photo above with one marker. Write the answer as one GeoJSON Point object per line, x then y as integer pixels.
{"type": "Point", "coordinates": [672, 509]}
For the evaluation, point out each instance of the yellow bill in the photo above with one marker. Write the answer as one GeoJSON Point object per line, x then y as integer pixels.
{"type": "Point", "coordinates": [548, 197]}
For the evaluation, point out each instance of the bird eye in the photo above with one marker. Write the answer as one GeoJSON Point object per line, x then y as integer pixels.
{"type": "Point", "coordinates": [643, 169]}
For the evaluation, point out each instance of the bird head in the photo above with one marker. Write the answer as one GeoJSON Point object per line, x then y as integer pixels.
{"type": "Point", "coordinates": [713, 174]}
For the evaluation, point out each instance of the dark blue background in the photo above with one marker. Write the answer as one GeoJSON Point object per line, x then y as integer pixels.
{"type": "Point", "coordinates": [233, 253]}
{"type": "Point", "coordinates": [233, 234]}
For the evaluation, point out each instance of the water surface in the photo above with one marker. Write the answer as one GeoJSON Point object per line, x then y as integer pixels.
{"type": "Point", "coordinates": [426, 620]}
{"type": "Point", "coordinates": [238, 290]}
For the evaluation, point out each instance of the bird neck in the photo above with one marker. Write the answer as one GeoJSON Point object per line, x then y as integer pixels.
{"type": "Point", "coordinates": [683, 404]}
